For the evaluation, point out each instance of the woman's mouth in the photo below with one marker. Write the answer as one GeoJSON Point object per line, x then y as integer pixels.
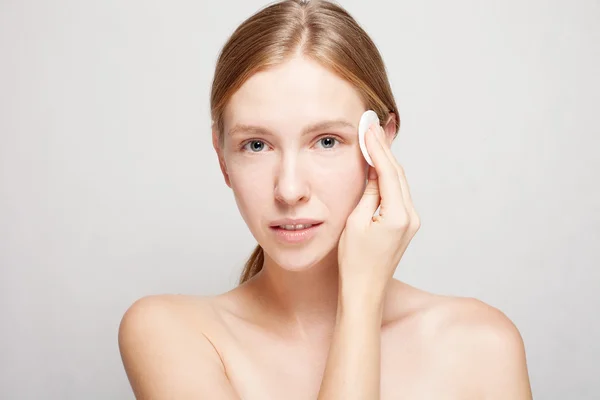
{"type": "Point", "coordinates": [295, 233]}
{"type": "Point", "coordinates": [295, 227]}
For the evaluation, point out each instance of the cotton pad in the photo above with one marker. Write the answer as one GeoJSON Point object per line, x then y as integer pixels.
{"type": "Point", "coordinates": [368, 118]}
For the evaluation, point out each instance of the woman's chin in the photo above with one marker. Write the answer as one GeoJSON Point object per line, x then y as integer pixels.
{"type": "Point", "coordinates": [298, 260]}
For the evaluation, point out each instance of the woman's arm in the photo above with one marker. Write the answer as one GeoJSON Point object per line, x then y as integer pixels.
{"type": "Point", "coordinates": [166, 358]}
{"type": "Point", "coordinates": [369, 251]}
{"type": "Point", "coordinates": [352, 370]}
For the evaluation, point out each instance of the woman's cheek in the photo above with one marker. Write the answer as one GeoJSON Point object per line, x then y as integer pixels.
{"type": "Point", "coordinates": [344, 165]}
{"type": "Point", "coordinates": [334, 160]}
{"type": "Point", "coordinates": [248, 179]}
{"type": "Point", "coordinates": [340, 179]}
{"type": "Point", "coordinates": [246, 166]}
{"type": "Point", "coordinates": [252, 190]}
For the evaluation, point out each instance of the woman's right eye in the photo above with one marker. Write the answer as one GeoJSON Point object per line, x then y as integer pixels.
{"type": "Point", "coordinates": [254, 146]}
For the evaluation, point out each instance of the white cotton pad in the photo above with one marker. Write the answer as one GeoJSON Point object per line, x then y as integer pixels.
{"type": "Point", "coordinates": [368, 118]}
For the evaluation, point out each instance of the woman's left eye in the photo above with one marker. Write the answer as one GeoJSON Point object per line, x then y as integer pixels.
{"type": "Point", "coordinates": [328, 142]}
{"type": "Point", "coordinates": [255, 146]}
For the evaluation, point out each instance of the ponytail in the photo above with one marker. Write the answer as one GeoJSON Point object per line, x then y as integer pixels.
{"type": "Point", "coordinates": [253, 265]}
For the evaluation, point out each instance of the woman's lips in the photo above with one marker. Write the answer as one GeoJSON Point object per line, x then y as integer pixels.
{"type": "Point", "coordinates": [297, 235]}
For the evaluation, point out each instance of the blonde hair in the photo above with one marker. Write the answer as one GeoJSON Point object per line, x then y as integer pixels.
{"type": "Point", "coordinates": [320, 30]}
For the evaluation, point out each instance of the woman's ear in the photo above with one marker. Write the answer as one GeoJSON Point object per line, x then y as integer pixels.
{"type": "Point", "coordinates": [217, 147]}
{"type": "Point", "coordinates": [390, 128]}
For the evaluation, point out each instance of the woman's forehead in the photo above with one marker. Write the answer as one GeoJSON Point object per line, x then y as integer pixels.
{"type": "Point", "coordinates": [298, 89]}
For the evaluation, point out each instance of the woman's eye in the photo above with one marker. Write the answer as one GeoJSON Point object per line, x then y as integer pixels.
{"type": "Point", "coordinates": [327, 142]}
{"type": "Point", "coordinates": [254, 146]}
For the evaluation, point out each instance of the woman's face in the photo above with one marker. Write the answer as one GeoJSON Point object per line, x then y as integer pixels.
{"type": "Point", "coordinates": [291, 151]}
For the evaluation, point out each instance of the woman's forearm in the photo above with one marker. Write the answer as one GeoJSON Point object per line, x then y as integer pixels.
{"type": "Point", "coordinates": [352, 370]}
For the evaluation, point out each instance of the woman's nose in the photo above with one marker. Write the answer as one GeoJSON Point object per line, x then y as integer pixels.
{"type": "Point", "coordinates": [291, 186]}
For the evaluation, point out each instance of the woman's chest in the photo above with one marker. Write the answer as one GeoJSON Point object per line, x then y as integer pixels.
{"type": "Point", "coordinates": [267, 370]}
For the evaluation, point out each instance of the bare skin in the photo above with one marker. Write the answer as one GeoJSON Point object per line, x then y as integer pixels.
{"type": "Point", "coordinates": [432, 347]}
{"type": "Point", "coordinates": [324, 319]}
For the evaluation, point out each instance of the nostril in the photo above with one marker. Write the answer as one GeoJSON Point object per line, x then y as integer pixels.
{"type": "Point", "coordinates": [291, 194]}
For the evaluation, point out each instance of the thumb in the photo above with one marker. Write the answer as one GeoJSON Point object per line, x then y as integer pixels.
{"type": "Point", "coordinates": [369, 202]}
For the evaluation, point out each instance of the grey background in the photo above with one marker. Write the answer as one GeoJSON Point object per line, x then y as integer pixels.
{"type": "Point", "coordinates": [110, 189]}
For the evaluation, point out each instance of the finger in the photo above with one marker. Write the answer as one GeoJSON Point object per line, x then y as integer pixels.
{"type": "Point", "coordinates": [372, 173]}
{"type": "Point", "coordinates": [389, 183]}
{"type": "Point", "coordinates": [406, 196]}
{"type": "Point", "coordinates": [413, 217]}
{"type": "Point", "coordinates": [408, 202]}
{"type": "Point", "coordinates": [369, 202]}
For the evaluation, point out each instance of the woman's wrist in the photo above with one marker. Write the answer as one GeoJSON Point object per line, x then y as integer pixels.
{"type": "Point", "coordinates": [364, 288]}
{"type": "Point", "coordinates": [360, 302]}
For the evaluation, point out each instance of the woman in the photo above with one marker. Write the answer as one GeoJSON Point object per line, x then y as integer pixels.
{"type": "Point", "coordinates": [317, 313]}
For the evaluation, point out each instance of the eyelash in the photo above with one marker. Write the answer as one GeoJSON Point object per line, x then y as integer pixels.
{"type": "Point", "coordinates": [247, 142]}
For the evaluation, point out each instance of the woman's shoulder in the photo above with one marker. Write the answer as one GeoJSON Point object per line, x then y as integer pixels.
{"type": "Point", "coordinates": [165, 342]}
{"type": "Point", "coordinates": [452, 318]}
{"type": "Point", "coordinates": [456, 313]}
{"type": "Point", "coordinates": [175, 314]}
{"type": "Point", "coordinates": [464, 336]}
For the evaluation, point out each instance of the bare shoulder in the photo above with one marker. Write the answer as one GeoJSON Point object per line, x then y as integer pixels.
{"type": "Point", "coordinates": [165, 351]}
{"type": "Point", "coordinates": [477, 344]}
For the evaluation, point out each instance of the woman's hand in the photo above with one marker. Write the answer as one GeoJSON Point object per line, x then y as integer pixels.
{"type": "Point", "coordinates": [371, 246]}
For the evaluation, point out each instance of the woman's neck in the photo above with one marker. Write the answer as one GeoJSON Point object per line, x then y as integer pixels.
{"type": "Point", "coordinates": [305, 302]}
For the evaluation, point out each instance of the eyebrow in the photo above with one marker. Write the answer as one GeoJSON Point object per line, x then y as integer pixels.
{"type": "Point", "coordinates": [319, 126]}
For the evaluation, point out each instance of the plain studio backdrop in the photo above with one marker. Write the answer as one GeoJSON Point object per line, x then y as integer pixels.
{"type": "Point", "coordinates": [111, 190]}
